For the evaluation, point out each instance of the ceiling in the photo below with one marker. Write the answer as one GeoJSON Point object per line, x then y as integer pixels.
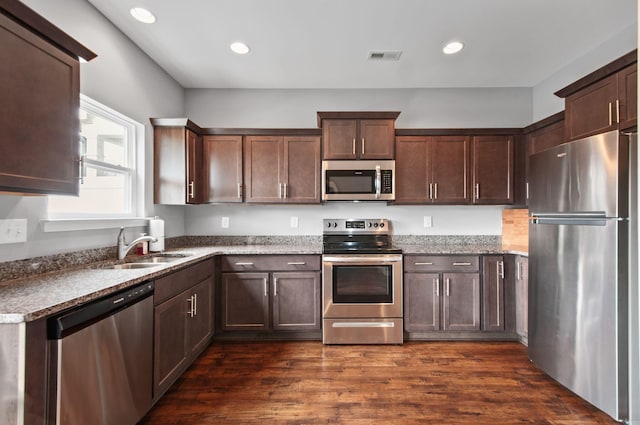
{"type": "Point", "coordinates": [326, 43]}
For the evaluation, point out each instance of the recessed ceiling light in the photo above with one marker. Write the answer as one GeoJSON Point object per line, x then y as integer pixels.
{"type": "Point", "coordinates": [143, 15]}
{"type": "Point", "coordinates": [239, 48]}
{"type": "Point", "coordinates": [453, 47]}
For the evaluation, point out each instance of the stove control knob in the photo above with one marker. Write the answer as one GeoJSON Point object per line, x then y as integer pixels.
{"type": "Point", "coordinates": [375, 225]}
{"type": "Point", "coordinates": [381, 225]}
{"type": "Point", "coordinates": [369, 224]}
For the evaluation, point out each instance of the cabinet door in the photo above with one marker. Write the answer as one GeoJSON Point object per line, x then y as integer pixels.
{"type": "Point", "coordinates": [412, 180]}
{"type": "Point", "coordinates": [200, 316]}
{"type": "Point", "coordinates": [296, 301]}
{"type": "Point", "coordinates": [376, 139]}
{"type": "Point", "coordinates": [40, 86]}
{"type": "Point", "coordinates": [302, 170]}
{"type": "Point", "coordinates": [170, 342]}
{"type": "Point", "coordinates": [263, 169]}
{"type": "Point", "coordinates": [628, 96]}
{"type": "Point", "coordinates": [592, 109]}
{"type": "Point", "coordinates": [422, 296]}
{"type": "Point", "coordinates": [461, 302]}
{"type": "Point", "coordinates": [493, 293]}
{"type": "Point", "coordinates": [522, 296]}
{"type": "Point", "coordinates": [245, 301]}
{"type": "Point", "coordinates": [492, 169]}
{"type": "Point", "coordinates": [546, 137]}
{"type": "Point", "coordinates": [449, 163]}
{"type": "Point", "coordinates": [339, 139]}
{"type": "Point", "coordinates": [222, 157]}
{"type": "Point", "coordinates": [194, 168]}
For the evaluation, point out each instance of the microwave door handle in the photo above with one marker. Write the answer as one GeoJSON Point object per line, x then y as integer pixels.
{"type": "Point", "coordinates": [378, 182]}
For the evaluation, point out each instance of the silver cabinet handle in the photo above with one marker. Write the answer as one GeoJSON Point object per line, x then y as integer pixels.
{"type": "Point", "coordinates": [477, 190]}
{"type": "Point", "coordinates": [275, 287]}
{"type": "Point", "coordinates": [284, 186]}
{"type": "Point", "coordinates": [618, 111]}
{"type": "Point", "coordinates": [266, 287]}
{"type": "Point", "coordinates": [244, 264]}
{"type": "Point", "coordinates": [518, 270]}
{"type": "Point", "coordinates": [430, 190]}
{"type": "Point", "coordinates": [280, 190]}
{"type": "Point", "coordinates": [460, 264]}
{"type": "Point", "coordinates": [501, 269]}
{"type": "Point", "coordinates": [296, 263]}
{"type": "Point", "coordinates": [191, 302]}
{"type": "Point", "coordinates": [435, 191]}
{"type": "Point", "coordinates": [363, 146]}
{"type": "Point", "coordinates": [527, 190]}
{"type": "Point", "coordinates": [436, 283]}
{"type": "Point", "coordinates": [353, 146]}
{"type": "Point", "coordinates": [192, 190]}
{"type": "Point", "coordinates": [239, 191]}
{"type": "Point", "coordinates": [447, 282]}
{"type": "Point", "coordinates": [195, 304]}
{"type": "Point", "coordinates": [423, 264]}
{"type": "Point", "coordinates": [610, 114]}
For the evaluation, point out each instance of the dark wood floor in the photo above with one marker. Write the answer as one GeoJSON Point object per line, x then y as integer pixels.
{"type": "Point", "coordinates": [415, 383]}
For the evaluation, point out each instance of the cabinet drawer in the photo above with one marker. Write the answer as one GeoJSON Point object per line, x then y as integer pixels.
{"type": "Point", "coordinates": [177, 282]}
{"type": "Point", "coordinates": [434, 263]}
{"type": "Point", "coordinates": [270, 262]}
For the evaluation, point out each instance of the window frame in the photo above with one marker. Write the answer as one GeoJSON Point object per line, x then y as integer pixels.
{"type": "Point", "coordinates": [133, 171]}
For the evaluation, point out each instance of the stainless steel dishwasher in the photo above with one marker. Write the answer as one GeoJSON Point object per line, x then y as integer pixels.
{"type": "Point", "coordinates": [101, 360]}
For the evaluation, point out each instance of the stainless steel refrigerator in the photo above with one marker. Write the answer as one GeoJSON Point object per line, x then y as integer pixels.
{"type": "Point", "coordinates": [582, 204]}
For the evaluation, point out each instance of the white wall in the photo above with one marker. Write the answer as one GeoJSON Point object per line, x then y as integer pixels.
{"type": "Point", "coordinates": [545, 103]}
{"type": "Point", "coordinates": [123, 78]}
{"type": "Point", "coordinates": [420, 108]}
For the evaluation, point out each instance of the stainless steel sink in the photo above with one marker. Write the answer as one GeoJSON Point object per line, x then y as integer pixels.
{"type": "Point", "coordinates": [133, 266]}
{"type": "Point", "coordinates": [159, 259]}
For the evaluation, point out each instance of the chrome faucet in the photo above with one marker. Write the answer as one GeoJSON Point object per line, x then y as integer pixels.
{"type": "Point", "coordinates": [123, 248]}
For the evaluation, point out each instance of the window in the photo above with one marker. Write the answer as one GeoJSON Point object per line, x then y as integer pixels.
{"type": "Point", "coordinates": [108, 175]}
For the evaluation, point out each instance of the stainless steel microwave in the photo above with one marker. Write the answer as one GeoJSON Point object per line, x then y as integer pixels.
{"type": "Point", "coordinates": [358, 180]}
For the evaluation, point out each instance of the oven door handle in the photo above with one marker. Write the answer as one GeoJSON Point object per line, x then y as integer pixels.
{"type": "Point", "coordinates": [360, 260]}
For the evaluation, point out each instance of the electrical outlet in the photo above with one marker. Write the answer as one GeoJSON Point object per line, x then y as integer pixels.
{"type": "Point", "coordinates": [294, 221]}
{"type": "Point", "coordinates": [428, 222]}
{"type": "Point", "coordinates": [225, 222]}
{"type": "Point", "coordinates": [13, 230]}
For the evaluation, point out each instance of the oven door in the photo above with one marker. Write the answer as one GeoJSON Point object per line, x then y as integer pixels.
{"type": "Point", "coordinates": [361, 286]}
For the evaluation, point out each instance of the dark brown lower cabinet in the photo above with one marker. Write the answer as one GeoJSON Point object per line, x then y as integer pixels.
{"type": "Point", "coordinates": [183, 321]}
{"type": "Point", "coordinates": [438, 297]}
{"type": "Point", "coordinates": [270, 293]}
{"type": "Point", "coordinates": [493, 312]}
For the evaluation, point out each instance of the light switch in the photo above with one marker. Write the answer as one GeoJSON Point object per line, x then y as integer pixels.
{"type": "Point", "coordinates": [13, 230]}
{"type": "Point", "coordinates": [225, 222]}
{"type": "Point", "coordinates": [428, 222]}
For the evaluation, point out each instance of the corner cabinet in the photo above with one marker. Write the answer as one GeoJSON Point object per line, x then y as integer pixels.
{"type": "Point", "coordinates": [492, 165]}
{"type": "Point", "coordinates": [177, 160]}
{"type": "Point", "coordinates": [493, 293]}
{"type": "Point", "coordinates": [358, 135]}
{"type": "Point", "coordinates": [268, 293]}
{"type": "Point", "coordinates": [40, 86]}
{"type": "Point", "coordinates": [222, 169]}
{"type": "Point", "coordinates": [432, 170]}
{"type": "Point", "coordinates": [602, 101]}
{"type": "Point", "coordinates": [282, 169]}
{"type": "Point", "coordinates": [183, 321]}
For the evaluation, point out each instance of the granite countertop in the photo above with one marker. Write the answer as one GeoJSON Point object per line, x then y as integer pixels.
{"type": "Point", "coordinates": [41, 295]}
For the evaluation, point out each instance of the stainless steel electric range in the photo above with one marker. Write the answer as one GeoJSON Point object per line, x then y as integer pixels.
{"type": "Point", "coordinates": [361, 283]}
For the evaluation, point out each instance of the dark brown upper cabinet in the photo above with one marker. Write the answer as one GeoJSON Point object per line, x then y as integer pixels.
{"type": "Point", "coordinates": [358, 135]}
{"type": "Point", "coordinates": [177, 172]}
{"type": "Point", "coordinates": [40, 86]}
{"type": "Point", "coordinates": [492, 169]}
{"type": "Point", "coordinates": [432, 169]}
{"type": "Point", "coordinates": [222, 175]}
{"type": "Point", "coordinates": [602, 101]}
{"type": "Point", "coordinates": [282, 169]}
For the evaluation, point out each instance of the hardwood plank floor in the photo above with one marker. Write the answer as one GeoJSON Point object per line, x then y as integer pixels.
{"type": "Point", "coordinates": [415, 383]}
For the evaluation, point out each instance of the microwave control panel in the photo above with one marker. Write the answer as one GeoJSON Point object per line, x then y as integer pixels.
{"type": "Point", "coordinates": [387, 181]}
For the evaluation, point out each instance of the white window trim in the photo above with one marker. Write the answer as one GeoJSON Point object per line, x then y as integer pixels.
{"type": "Point", "coordinates": [85, 221]}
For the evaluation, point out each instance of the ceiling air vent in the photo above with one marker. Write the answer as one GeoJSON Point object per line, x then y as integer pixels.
{"type": "Point", "coordinates": [385, 56]}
